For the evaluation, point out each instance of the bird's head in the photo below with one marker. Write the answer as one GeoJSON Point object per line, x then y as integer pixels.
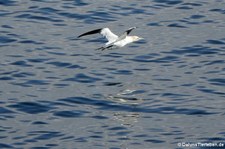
{"type": "Point", "coordinates": [136, 38]}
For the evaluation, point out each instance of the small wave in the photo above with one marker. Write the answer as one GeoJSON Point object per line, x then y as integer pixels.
{"type": "Point", "coordinates": [31, 107]}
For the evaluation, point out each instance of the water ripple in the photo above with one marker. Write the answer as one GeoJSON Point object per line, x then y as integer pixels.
{"type": "Point", "coordinates": [3, 145]}
{"type": "Point", "coordinates": [31, 107]}
{"type": "Point", "coordinates": [60, 64]}
{"type": "Point", "coordinates": [218, 81]}
{"type": "Point", "coordinates": [176, 25]}
{"type": "Point", "coordinates": [169, 2]}
{"type": "Point", "coordinates": [69, 114]}
{"type": "Point", "coordinates": [82, 78]}
{"type": "Point", "coordinates": [222, 11]}
{"type": "Point", "coordinates": [22, 75]}
{"type": "Point", "coordinates": [5, 111]}
{"type": "Point", "coordinates": [109, 105]}
{"type": "Point", "coordinates": [196, 50]}
{"type": "Point", "coordinates": [91, 16]}
{"type": "Point", "coordinates": [21, 64]}
{"type": "Point", "coordinates": [44, 135]}
{"type": "Point", "coordinates": [7, 3]}
{"type": "Point", "coordinates": [216, 42]}
{"type": "Point", "coordinates": [38, 18]}
{"type": "Point", "coordinates": [5, 39]}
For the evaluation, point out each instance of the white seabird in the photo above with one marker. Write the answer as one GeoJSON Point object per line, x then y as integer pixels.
{"type": "Point", "coordinates": [114, 40]}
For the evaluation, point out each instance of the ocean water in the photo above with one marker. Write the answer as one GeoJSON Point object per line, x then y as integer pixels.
{"type": "Point", "coordinates": [58, 92]}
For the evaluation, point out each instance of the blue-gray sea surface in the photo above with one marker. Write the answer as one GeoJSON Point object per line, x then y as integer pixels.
{"type": "Point", "coordinates": [58, 92]}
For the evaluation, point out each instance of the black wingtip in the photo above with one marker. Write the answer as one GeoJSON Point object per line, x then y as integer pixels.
{"type": "Point", "coordinates": [130, 29]}
{"type": "Point", "coordinates": [90, 32]}
{"type": "Point", "coordinates": [79, 36]}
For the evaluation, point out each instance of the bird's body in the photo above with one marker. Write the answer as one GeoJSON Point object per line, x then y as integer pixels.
{"type": "Point", "coordinates": [126, 40]}
{"type": "Point", "coordinates": [114, 40]}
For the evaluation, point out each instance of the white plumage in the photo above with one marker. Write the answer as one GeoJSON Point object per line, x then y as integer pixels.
{"type": "Point", "coordinates": [114, 40]}
{"type": "Point", "coordinates": [110, 36]}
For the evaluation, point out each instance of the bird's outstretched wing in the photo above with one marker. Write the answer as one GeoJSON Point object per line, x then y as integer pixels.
{"type": "Point", "coordinates": [109, 35]}
{"type": "Point", "coordinates": [90, 32]}
{"type": "Point", "coordinates": [105, 32]}
{"type": "Point", "coordinates": [127, 32]}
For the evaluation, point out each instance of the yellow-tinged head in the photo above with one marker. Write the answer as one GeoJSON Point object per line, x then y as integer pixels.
{"type": "Point", "coordinates": [136, 38]}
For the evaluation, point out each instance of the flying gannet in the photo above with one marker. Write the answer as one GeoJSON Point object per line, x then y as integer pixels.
{"type": "Point", "coordinates": [113, 40]}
